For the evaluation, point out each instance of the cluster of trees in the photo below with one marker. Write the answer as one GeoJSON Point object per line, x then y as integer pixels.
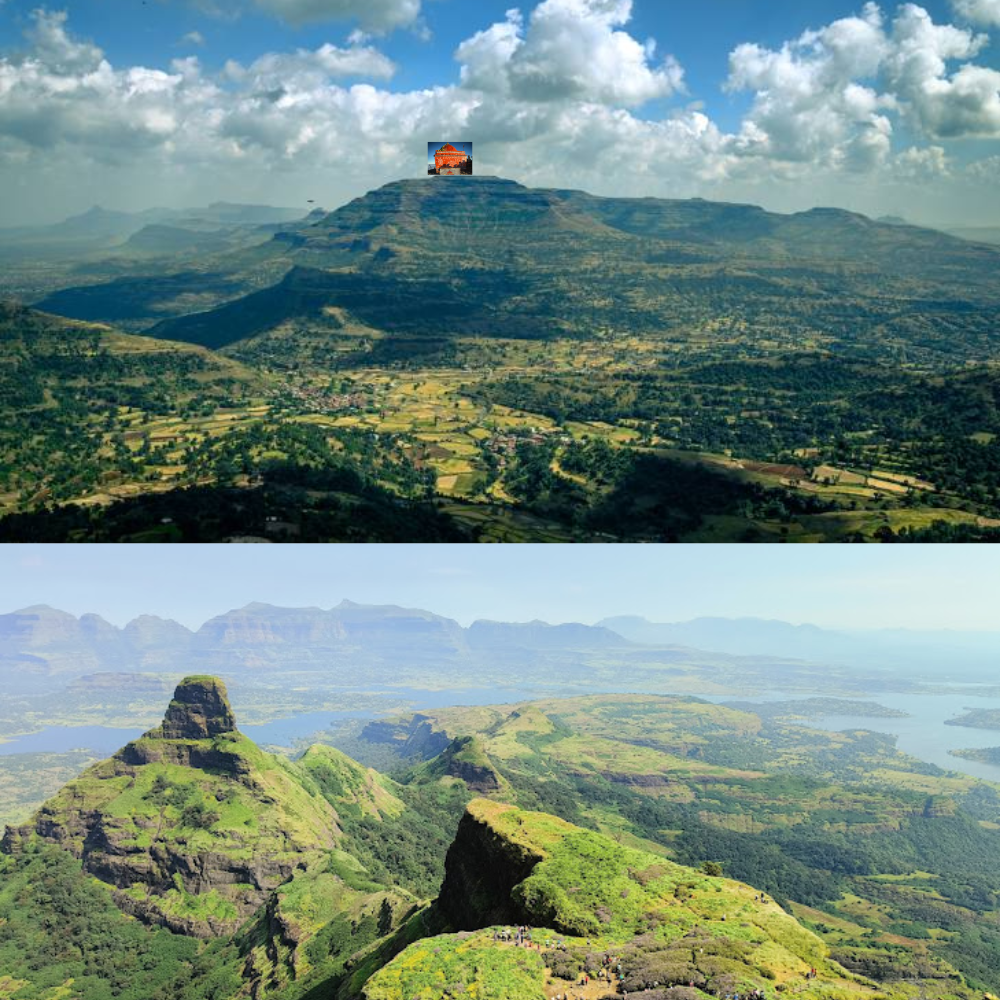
{"type": "Point", "coordinates": [939, 429]}
{"type": "Point", "coordinates": [291, 503]}
{"type": "Point", "coordinates": [59, 926]}
{"type": "Point", "coordinates": [635, 494]}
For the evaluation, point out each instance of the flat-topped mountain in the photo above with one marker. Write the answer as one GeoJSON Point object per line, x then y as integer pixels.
{"type": "Point", "coordinates": [53, 644]}
{"type": "Point", "coordinates": [504, 260]}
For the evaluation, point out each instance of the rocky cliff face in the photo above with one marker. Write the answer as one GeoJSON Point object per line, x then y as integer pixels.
{"type": "Point", "coordinates": [192, 824]}
{"type": "Point", "coordinates": [413, 737]}
{"type": "Point", "coordinates": [261, 636]}
{"type": "Point", "coordinates": [483, 865]}
{"type": "Point", "coordinates": [670, 926]}
{"type": "Point", "coordinates": [199, 710]}
{"type": "Point", "coordinates": [157, 643]}
{"type": "Point", "coordinates": [40, 643]}
{"type": "Point", "coordinates": [465, 758]}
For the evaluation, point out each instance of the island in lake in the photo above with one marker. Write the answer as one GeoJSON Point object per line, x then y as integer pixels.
{"type": "Point", "coordinates": [977, 718]}
{"type": "Point", "coordinates": [985, 755]}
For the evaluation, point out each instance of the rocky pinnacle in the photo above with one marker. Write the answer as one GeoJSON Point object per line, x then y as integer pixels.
{"type": "Point", "coordinates": [199, 710]}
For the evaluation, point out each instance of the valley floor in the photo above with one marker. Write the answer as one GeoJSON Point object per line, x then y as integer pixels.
{"type": "Point", "coordinates": [495, 446]}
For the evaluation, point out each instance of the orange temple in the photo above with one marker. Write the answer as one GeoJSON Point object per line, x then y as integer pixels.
{"type": "Point", "coordinates": [448, 156]}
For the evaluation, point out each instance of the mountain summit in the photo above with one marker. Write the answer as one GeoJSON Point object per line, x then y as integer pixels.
{"type": "Point", "coordinates": [199, 710]}
{"type": "Point", "coordinates": [417, 258]}
{"type": "Point", "coordinates": [192, 824]}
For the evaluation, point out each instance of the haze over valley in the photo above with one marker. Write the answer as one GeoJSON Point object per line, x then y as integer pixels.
{"type": "Point", "coordinates": [75, 683]}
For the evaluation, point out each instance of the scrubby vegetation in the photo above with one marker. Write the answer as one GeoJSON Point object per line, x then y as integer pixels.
{"type": "Point", "coordinates": [836, 827]}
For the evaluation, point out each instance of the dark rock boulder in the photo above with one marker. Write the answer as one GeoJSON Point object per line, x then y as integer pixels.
{"type": "Point", "coordinates": [482, 868]}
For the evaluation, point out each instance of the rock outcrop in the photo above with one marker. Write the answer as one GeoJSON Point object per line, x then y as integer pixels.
{"type": "Point", "coordinates": [465, 758]}
{"type": "Point", "coordinates": [669, 926]}
{"type": "Point", "coordinates": [482, 868]}
{"type": "Point", "coordinates": [199, 710]}
{"type": "Point", "coordinates": [412, 738]}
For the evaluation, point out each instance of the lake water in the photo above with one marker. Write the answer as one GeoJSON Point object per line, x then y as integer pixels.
{"type": "Point", "coordinates": [105, 740]}
{"type": "Point", "coordinates": [922, 734]}
{"type": "Point", "coordinates": [101, 740]}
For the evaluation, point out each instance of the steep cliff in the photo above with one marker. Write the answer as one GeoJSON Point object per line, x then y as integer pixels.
{"type": "Point", "coordinates": [199, 710]}
{"type": "Point", "coordinates": [584, 895]}
{"type": "Point", "coordinates": [488, 859]}
{"type": "Point", "coordinates": [192, 824]}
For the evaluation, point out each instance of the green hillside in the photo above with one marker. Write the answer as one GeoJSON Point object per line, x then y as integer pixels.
{"type": "Point", "coordinates": [543, 365]}
{"type": "Point", "coordinates": [892, 861]}
{"type": "Point", "coordinates": [78, 400]}
{"type": "Point", "coordinates": [194, 829]}
{"type": "Point", "coordinates": [705, 848]}
{"type": "Point", "coordinates": [113, 437]}
{"type": "Point", "coordinates": [584, 895]}
{"type": "Point", "coordinates": [192, 824]}
{"type": "Point", "coordinates": [422, 261]}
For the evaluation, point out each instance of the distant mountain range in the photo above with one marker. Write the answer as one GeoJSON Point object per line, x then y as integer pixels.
{"type": "Point", "coordinates": [163, 230]}
{"type": "Point", "coordinates": [42, 648]}
{"type": "Point", "coordinates": [40, 645]}
{"type": "Point", "coordinates": [102, 223]}
{"type": "Point", "coordinates": [944, 654]}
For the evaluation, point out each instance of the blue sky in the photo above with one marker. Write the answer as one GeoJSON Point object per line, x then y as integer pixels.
{"type": "Point", "coordinates": [863, 587]}
{"type": "Point", "coordinates": [884, 107]}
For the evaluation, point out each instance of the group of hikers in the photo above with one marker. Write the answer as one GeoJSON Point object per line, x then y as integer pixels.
{"type": "Point", "coordinates": [610, 972]}
{"type": "Point", "coordinates": [518, 935]}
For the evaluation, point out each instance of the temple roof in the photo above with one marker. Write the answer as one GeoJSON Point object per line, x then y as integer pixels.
{"type": "Point", "coordinates": [447, 148]}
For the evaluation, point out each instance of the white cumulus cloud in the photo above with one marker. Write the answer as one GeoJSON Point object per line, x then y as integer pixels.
{"type": "Point", "coordinates": [963, 104]}
{"type": "Point", "coordinates": [549, 96]}
{"type": "Point", "coordinates": [569, 50]}
{"type": "Point", "coordinates": [979, 11]}
{"type": "Point", "coordinates": [810, 104]}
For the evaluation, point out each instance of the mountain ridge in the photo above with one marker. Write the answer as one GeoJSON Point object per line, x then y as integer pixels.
{"type": "Point", "coordinates": [497, 242]}
{"type": "Point", "coordinates": [295, 876]}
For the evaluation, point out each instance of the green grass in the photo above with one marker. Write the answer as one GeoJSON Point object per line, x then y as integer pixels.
{"type": "Point", "coordinates": [246, 805]}
{"type": "Point", "coordinates": [459, 965]}
{"type": "Point", "coordinates": [587, 894]}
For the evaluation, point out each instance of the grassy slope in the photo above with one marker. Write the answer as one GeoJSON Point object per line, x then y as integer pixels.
{"type": "Point", "coordinates": [813, 816]}
{"type": "Point", "coordinates": [267, 807]}
{"type": "Point", "coordinates": [247, 808]}
{"type": "Point", "coordinates": [78, 399]}
{"type": "Point", "coordinates": [596, 893]}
